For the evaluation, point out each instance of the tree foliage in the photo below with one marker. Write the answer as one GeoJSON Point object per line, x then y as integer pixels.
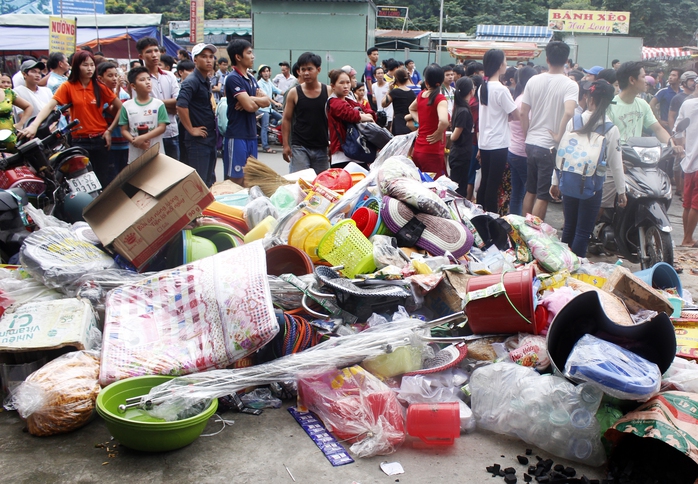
{"type": "Point", "coordinates": [172, 10]}
{"type": "Point", "coordinates": [662, 23]}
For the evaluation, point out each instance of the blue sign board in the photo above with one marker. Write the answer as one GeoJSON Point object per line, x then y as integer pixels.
{"type": "Point", "coordinates": [78, 7]}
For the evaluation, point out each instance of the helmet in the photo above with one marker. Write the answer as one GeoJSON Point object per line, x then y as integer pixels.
{"type": "Point", "coordinates": [74, 204]}
{"type": "Point", "coordinates": [688, 75]}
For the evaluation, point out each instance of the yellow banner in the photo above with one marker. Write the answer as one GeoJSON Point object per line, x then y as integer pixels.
{"type": "Point", "coordinates": [61, 35]}
{"type": "Point", "coordinates": [589, 21]}
{"type": "Point", "coordinates": [196, 21]}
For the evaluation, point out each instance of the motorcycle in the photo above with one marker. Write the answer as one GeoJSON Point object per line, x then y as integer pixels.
{"type": "Point", "coordinates": [641, 231]}
{"type": "Point", "coordinates": [274, 135]}
{"type": "Point", "coordinates": [57, 178]}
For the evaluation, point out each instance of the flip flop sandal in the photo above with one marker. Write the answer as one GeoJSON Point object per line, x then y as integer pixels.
{"type": "Point", "coordinates": [269, 150]}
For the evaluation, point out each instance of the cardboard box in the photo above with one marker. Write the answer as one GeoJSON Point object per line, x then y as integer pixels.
{"type": "Point", "coordinates": [635, 293]}
{"type": "Point", "coordinates": [448, 296]}
{"type": "Point", "coordinates": [147, 204]}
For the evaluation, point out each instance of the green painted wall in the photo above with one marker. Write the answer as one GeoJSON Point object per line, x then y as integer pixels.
{"type": "Point", "coordinates": [339, 32]}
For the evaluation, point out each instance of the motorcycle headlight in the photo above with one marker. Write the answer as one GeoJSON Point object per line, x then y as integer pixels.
{"type": "Point", "coordinates": [649, 156]}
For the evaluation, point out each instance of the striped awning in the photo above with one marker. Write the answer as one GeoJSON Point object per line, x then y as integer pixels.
{"type": "Point", "coordinates": [514, 33]}
{"type": "Point", "coordinates": [665, 53]}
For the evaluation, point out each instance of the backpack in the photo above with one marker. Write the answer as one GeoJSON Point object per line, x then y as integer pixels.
{"type": "Point", "coordinates": [581, 160]}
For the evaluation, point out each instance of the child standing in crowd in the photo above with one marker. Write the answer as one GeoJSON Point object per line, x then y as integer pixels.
{"type": "Point", "coordinates": [580, 215]}
{"type": "Point", "coordinates": [342, 109]}
{"type": "Point", "coordinates": [108, 75]}
{"type": "Point", "coordinates": [516, 158]}
{"type": "Point", "coordinates": [447, 90]}
{"type": "Point", "coordinates": [143, 119]}
{"type": "Point", "coordinates": [496, 108]}
{"type": "Point", "coordinates": [430, 110]}
{"type": "Point", "coordinates": [462, 136]}
{"type": "Point", "coordinates": [88, 97]}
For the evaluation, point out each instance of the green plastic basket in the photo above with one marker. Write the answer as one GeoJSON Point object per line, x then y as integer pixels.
{"type": "Point", "coordinates": [345, 245]}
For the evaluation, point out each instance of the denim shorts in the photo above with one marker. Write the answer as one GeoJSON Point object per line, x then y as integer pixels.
{"type": "Point", "coordinates": [540, 166]}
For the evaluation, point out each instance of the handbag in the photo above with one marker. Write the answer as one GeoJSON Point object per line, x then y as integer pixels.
{"type": "Point", "coordinates": [375, 134]}
{"type": "Point", "coordinates": [356, 146]}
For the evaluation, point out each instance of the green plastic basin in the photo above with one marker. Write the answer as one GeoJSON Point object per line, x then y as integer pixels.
{"type": "Point", "coordinates": [136, 429]}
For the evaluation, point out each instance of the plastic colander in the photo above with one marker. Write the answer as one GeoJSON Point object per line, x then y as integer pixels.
{"type": "Point", "coordinates": [345, 245]}
{"type": "Point", "coordinates": [374, 203]}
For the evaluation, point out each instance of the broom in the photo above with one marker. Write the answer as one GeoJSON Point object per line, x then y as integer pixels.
{"type": "Point", "coordinates": [259, 174]}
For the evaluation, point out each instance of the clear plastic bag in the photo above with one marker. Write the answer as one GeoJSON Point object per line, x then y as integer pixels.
{"type": "Point", "coordinates": [356, 406]}
{"type": "Point", "coordinates": [395, 167]}
{"type": "Point", "coordinates": [544, 410]}
{"type": "Point", "coordinates": [259, 209]}
{"type": "Point", "coordinates": [613, 369]}
{"type": "Point", "coordinates": [398, 146]}
{"type": "Point", "coordinates": [386, 253]}
{"type": "Point", "coordinates": [58, 258]}
{"type": "Point", "coordinates": [14, 289]}
{"type": "Point", "coordinates": [682, 375]}
{"type": "Point", "coordinates": [59, 397]}
{"type": "Point", "coordinates": [260, 398]}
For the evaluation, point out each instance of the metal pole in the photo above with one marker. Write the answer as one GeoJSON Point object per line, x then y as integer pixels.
{"type": "Point", "coordinates": [94, 6]}
{"type": "Point", "coordinates": [441, 27]}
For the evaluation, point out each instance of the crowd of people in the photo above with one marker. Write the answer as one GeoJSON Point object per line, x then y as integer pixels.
{"type": "Point", "coordinates": [499, 120]}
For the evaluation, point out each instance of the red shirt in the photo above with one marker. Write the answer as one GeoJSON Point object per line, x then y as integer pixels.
{"type": "Point", "coordinates": [428, 123]}
{"type": "Point", "coordinates": [339, 112]}
{"type": "Point", "coordinates": [475, 111]}
{"type": "Point", "coordinates": [85, 106]}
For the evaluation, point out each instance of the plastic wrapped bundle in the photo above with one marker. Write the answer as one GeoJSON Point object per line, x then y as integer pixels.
{"type": "Point", "coordinates": [356, 406]}
{"type": "Point", "coordinates": [60, 396]}
{"type": "Point", "coordinates": [199, 316]}
{"type": "Point", "coordinates": [58, 258]}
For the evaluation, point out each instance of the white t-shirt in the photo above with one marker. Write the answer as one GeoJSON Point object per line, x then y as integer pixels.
{"type": "Point", "coordinates": [689, 109]}
{"type": "Point", "coordinates": [37, 99]}
{"type": "Point", "coordinates": [494, 118]}
{"type": "Point", "coordinates": [546, 94]}
{"type": "Point", "coordinates": [378, 94]}
{"type": "Point", "coordinates": [18, 80]}
{"type": "Point", "coordinates": [165, 86]}
{"type": "Point", "coordinates": [151, 115]}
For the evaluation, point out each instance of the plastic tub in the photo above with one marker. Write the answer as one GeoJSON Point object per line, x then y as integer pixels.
{"type": "Point", "coordinates": [661, 276]}
{"type": "Point", "coordinates": [285, 259]}
{"type": "Point", "coordinates": [195, 247]}
{"type": "Point", "coordinates": [138, 430]}
{"type": "Point", "coordinates": [307, 233]}
{"type": "Point", "coordinates": [434, 423]}
{"type": "Point", "coordinates": [345, 245]}
{"type": "Point", "coordinates": [497, 314]}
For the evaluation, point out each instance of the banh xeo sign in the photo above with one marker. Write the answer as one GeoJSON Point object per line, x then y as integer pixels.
{"type": "Point", "coordinates": [589, 21]}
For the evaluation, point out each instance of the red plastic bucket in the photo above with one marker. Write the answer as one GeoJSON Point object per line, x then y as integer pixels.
{"type": "Point", "coordinates": [434, 423]}
{"type": "Point", "coordinates": [366, 220]}
{"type": "Point", "coordinates": [495, 314]}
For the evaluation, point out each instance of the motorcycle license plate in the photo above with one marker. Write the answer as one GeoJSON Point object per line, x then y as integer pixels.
{"type": "Point", "coordinates": [87, 183]}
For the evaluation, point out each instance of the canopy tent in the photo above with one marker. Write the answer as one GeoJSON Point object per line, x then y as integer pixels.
{"type": "Point", "coordinates": [228, 26]}
{"type": "Point", "coordinates": [464, 50]}
{"type": "Point", "coordinates": [514, 33]}
{"type": "Point", "coordinates": [121, 20]}
{"type": "Point", "coordinates": [665, 53]}
{"type": "Point", "coordinates": [116, 42]}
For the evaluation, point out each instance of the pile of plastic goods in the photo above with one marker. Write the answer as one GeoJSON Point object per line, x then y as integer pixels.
{"type": "Point", "coordinates": [386, 290]}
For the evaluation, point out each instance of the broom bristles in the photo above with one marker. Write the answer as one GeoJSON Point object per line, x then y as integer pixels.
{"type": "Point", "coordinates": [259, 174]}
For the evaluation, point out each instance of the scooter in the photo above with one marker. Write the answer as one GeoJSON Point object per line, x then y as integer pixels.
{"type": "Point", "coordinates": [641, 231]}
{"type": "Point", "coordinates": [53, 174]}
{"type": "Point", "coordinates": [274, 135]}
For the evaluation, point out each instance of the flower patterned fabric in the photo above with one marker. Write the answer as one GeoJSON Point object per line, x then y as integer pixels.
{"type": "Point", "coordinates": [196, 317]}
